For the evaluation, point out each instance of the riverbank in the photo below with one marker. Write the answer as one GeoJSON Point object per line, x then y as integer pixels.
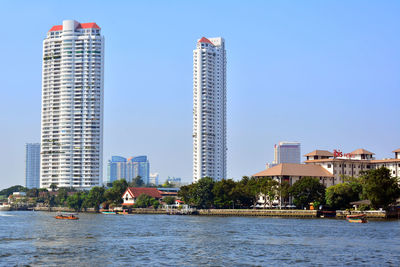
{"type": "Point", "coordinates": [245, 212]}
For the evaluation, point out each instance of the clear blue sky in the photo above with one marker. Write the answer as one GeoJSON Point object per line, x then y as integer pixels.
{"type": "Point", "coordinates": [325, 73]}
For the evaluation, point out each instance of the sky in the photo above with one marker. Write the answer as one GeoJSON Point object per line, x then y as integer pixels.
{"type": "Point", "coordinates": [323, 73]}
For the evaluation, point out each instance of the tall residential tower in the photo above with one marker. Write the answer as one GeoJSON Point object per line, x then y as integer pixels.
{"type": "Point", "coordinates": [209, 109]}
{"type": "Point", "coordinates": [32, 166]}
{"type": "Point", "coordinates": [72, 106]}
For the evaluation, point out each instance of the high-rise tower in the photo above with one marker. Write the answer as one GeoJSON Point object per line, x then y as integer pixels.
{"type": "Point", "coordinates": [209, 109]}
{"type": "Point", "coordinates": [72, 106]}
{"type": "Point", "coordinates": [32, 166]}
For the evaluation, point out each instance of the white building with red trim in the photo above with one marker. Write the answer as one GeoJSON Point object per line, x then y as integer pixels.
{"type": "Point", "coordinates": [132, 193]}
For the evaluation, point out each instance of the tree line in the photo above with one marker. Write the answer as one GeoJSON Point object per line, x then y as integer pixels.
{"type": "Point", "coordinates": [375, 185]}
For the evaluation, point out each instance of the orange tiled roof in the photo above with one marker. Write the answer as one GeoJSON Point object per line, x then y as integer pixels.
{"type": "Point", "coordinates": [137, 191]}
{"type": "Point", "coordinates": [397, 150]}
{"type": "Point", "coordinates": [293, 169]}
{"type": "Point", "coordinates": [319, 153]}
{"type": "Point", "coordinates": [361, 151]}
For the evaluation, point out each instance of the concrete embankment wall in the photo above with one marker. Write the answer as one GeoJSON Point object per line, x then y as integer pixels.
{"type": "Point", "coordinates": [253, 212]}
{"type": "Point", "coordinates": [60, 209]}
{"type": "Point", "coordinates": [372, 214]}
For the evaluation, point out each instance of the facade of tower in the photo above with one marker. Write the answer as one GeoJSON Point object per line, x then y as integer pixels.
{"type": "Point", "coordinates": [72, 106]}
{"type": "Point", "coordinates": [287, 152]}
{"type": "Point", "coordinates": [32, 166]}
{"type": "Point", "coordinates": [209, 109]}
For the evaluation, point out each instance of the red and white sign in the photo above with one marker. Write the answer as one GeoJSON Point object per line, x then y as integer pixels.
{"type": "Point", "coordinates": [340, 154]}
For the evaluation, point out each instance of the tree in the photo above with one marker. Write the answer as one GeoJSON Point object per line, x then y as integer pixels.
{"type": "Point", "coordinates": [202, 194]}
{"type": "Point", "coordinates": [307, 190]}
{"type": "Point", "coordinates": [224, 193]}
{"type": "Point", "coordinates": [169, 200]}
{"type": "Point", "coordinates": [339, 196]}
{"type": "Point", "coordinates": [380, 188]}
{"type": "Point", "coordinates": [268, 187]}
{"type": "Point", "coordinates": [137, 182]}
{"type": "Point", "coordinates": [114, 194]}
{"type": "Point", "coordinates": [34, 192]}
{"type": "Point", "coordinates": [95, 198]}
{"type": "Point", "coordinates": [283, 191]}
{"type": "Point", "coordinates": [53, 187]}
{"type": "Point", "coordinates": [61, 197]}
{"type": "Point", "coordinates": [16, 188]}
{"type": "Point", "coordinates": [185, 193]}
{"type": "Point", "coordinates": [246, 192]}
{"type": "Point", "coordinates": [144, 201]}
{"type": "Point", "coordinates": [75, 201]}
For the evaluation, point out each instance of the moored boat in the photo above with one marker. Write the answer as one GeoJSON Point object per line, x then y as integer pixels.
{"type": "Point", "coordinates": [359, 218]}
{"type": "Point", "coordinates": [66, 217]}
{"type": "Point", "coordinates": [108, 212]}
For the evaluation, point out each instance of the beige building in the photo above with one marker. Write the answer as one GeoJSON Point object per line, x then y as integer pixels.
{"type": "Point", "coordinates": [352, 164]}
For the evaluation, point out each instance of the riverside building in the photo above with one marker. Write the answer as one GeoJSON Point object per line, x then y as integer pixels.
{"type": "Point", "coordinates": [209, 109]}
{"type": "Point", "coordinates": [72, 106]}
{"type": "Point", "coordinates": [32, 165]}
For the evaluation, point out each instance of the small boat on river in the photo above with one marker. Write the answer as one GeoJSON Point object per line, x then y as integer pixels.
{"type": "Point", "coordinates": [109, 212]}
{"type": "Point", "coordinates": [359, 218]}
{"type": "Point", "coordinates": [66, 217]}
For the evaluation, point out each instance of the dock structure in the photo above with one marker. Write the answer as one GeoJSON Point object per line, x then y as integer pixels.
{"type": "Point", "coordinates": [259, 212]}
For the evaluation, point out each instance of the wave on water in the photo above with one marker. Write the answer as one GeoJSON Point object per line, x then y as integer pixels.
{"type": "Point", "coordinates": [6, 215]}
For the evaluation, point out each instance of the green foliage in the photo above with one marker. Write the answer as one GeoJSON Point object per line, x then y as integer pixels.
{"type": "Point", "coordinates": [169, 200]}
{"type": "Point", "coordinates": [61, 197]}
{"type": "Point", "coordinates": [114, 194]}
{"type": "Point", "coordinates": [202, 195]}
{"type": "Point", "coordinates": [95, 197]}
{"type": "Point", "coordinates": [53, 187]}
{"type": "Point", "coordinates": [307, 190]}
{"type": "Point", "coordinates": [16, 188]}
{"type": "Point", "coordinates": [339, 196]}
{"type": "Point", "coordinates": [76, 201]}
{"type": "Point", "coordinates": [380, 188]}
{"type": "Point", "coordinates": [137, 182]}
{"type": "Point", "coordinates": [145, 201]}
{"type": "Point", "coordinates": [34, 192]}
{"type": "Point", "coordinates": [269, 188]}
{"type": "Point", "coordinates": [224, 193]}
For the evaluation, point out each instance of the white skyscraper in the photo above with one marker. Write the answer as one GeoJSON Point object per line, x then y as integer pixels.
{"type": "Point", "coordinates": [209, 109]}
{"type": "Point", "coordinates": [72, 106]}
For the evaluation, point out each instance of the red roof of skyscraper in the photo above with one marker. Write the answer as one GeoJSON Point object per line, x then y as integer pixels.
{"type": "Point", "coordinates": [205, 40]}
{"type": "Point", "coordinates": [89, 25]}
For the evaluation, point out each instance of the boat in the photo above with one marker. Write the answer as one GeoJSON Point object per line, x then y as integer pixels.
{"type": "Point", "coordinates": [108, 212]}
{"type": "Point", "coordinates": [359, 218]}
{"type": "Point", "coordinates": [66, 217]}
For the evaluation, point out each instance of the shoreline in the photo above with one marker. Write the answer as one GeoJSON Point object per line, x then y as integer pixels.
{"type": "Point", "coordinates": [244, 212]}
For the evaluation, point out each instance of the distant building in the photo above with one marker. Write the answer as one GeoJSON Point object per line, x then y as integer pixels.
{"type": "Point", "coordinates": [32, 165]}
{"type": "Point", "coordinates": [138, 166]}
{"type": "Point", "coordinates": [175, 181]}
{"type": "Point", "coordinates": [128, 169]}
{"type": "Point", "coordinates": [116, 169]}
{"type": "Point", "coordinates": [154, 179]}
{"type": "Point", "coordinates": [287, 152]}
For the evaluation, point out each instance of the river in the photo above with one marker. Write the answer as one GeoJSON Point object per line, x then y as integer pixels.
{"type": "Point", "coordinates": [37, 239]}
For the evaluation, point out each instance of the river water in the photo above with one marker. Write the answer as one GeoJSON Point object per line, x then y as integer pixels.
{"type": "Point", "coordinates": [37, 239]}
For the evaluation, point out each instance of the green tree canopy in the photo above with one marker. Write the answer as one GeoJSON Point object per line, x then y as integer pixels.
{"type": "Point", "coordinates": [61, 197]}
{"type": "Point", "coordinates": [16, 188]}
{"type": "Point", "coordinates": [224, 193]}
{"type": "Point", "coordinates": [202, 194]}
{"type": "Point", "coordinates": [95, 197]}
{"type": "Point", "coordinates": [53, 187]}
{"type": "Point", "coordinates": [145, 201]}
{"type": "Point", "coordinates": [379, 187]}
{"type": "Point", "coordinates": [137, 182]}
{"type": "Point", "coordinates": [114, 194]}
{"type": "Point", "coordinates": [169, 200]}
{"type": "Point", "coordinates": [307, 190]}
{"type": "Point", "coordinates": [76, 200]}
{"type": "Point", "coordinates": [339, 196]}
